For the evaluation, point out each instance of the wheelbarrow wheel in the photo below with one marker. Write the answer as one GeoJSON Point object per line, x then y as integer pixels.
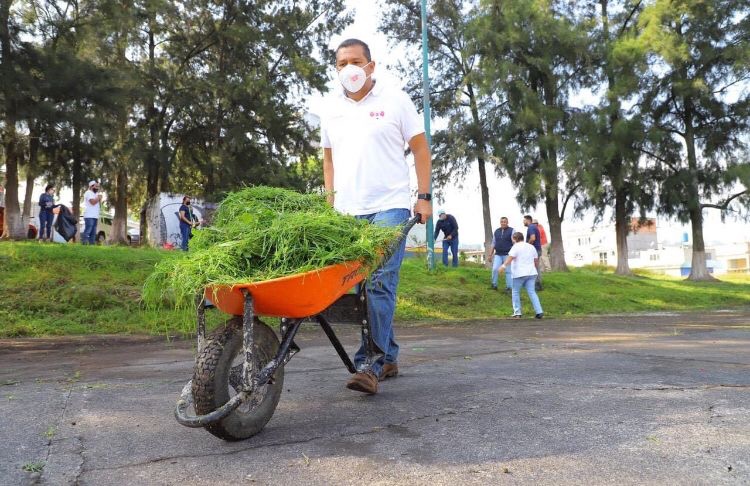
{"type": "Point", "coordinates": [218, 377]}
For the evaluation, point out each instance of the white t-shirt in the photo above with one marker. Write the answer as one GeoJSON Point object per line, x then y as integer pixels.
{"type": "Point", "coordinates": [523, 255]}
{"type": "Point", "coordinates": [90, 210]}
{"type": "Point", "coordinates": [367, 141]}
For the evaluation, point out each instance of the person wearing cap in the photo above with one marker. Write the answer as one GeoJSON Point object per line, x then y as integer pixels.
{"type": "Point", "coordinates": [365, 127]}
{"type": "Point", "coordinates": [91, 208]}
{"type": "Point", "coordinates": [449, 226]}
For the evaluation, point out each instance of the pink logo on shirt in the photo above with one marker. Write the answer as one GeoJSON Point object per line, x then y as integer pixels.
{"type": "Point", "coordinates": [377, 115]}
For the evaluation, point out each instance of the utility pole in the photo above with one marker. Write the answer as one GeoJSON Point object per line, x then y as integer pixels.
{"type": "Point", "coordinates": [426, 104]}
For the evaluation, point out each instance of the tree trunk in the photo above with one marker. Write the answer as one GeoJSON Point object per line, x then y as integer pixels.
{"type": "Point", "coordinates": [13, 225]}
{"type": "Point", "coordinates": [119, 234]}
{"type": "Point", "coordinates": [480, 144]}
{"type": "Point", "coordinates": [698, 265]}
{"type": "Point", "coordinates": [550, 177]}
{"type": "Point", "coordinates": [28, 193]}
{"type": "Point", "coordinates": [77, 187]}
{"type": "Point", "coordinates": [487, 219]}
{"type": "Point", "coordinates": [622, 228]}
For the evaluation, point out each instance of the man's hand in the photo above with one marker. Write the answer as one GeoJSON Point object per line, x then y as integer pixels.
{"type": "Point", "coordinates": [423, 208]}
{"type": "Point", "coordinates": [501, 269]}
{"type": "Point", "coordinates": [449, 237]}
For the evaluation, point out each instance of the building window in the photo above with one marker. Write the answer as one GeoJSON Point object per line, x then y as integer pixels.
{"type": "Point", "coordinates": [603, 258]}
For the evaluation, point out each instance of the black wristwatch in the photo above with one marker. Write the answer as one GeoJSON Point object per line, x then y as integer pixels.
{"type": "Point", "coordinates": [425, 195]}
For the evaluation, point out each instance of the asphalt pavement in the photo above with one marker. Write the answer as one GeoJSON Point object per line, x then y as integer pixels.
{"type": "Point", "coordinates": [660, 398]}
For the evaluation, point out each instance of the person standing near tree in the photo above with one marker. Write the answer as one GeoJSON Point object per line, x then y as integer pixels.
{"type": "Point", "coordinates": [544, 257]}
{"type": "Point", "coordinates": [502, 242]}
{"type": "Point", "coordinates": [449, 226]}
{"type": "Point", "coordinates": [364, 133]}
{"type": "Point", "coordinates": [534, 238]}
{"type": "Point", "coordinates": [46, 212]}
{"type": "Point", "coordinates": [188, 221]}
{"type": "Point", "coordinates": [92, 202]}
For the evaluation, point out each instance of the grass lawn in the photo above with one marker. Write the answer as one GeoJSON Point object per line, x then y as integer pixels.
{"type": "Point", "coordinates": [52, 289]}
{"type": "Point", "coordinates": [464, 293]}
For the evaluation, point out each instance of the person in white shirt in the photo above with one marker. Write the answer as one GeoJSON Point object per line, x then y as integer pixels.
{"type": "Point", "coordinates": [523, 259]}
{"type": "Point", "coordinates": [92, 202]}
{"type": "Point", "coordinates": [364, 133]}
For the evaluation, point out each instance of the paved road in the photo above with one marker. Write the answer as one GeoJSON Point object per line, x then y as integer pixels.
{"type": "Point", "coordinates": [616, 400]}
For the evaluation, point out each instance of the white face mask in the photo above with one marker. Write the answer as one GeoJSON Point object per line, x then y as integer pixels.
{"type": "Point", "coordinates": [353, 77]}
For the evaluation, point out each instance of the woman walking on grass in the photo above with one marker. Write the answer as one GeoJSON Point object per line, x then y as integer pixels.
{"type": "Point", "coordinates": [523, 258]}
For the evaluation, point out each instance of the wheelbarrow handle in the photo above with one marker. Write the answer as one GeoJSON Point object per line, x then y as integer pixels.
{"type": "Point", "coordinates": [388, 253]}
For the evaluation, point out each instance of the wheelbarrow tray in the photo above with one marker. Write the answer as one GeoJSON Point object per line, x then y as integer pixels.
{"type": "Point", "coordinates": [295, 296]}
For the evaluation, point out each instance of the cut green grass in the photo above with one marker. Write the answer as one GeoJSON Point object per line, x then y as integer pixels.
{"type": "Point", "coordinates": [54, 290]}
{"type": "Point", "coordinates": [261, 233]}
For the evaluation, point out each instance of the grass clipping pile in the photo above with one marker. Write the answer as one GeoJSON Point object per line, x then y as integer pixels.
{"type": "Point", "coordinates": [261, 233]}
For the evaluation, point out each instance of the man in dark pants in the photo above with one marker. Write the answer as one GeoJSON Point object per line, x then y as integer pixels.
{"type": "Point", "coordinates": [448, 225]}
{"type": "Point", "coordinates": [533, 237]}
{"type": "Point", "coordinates": [187, 222]}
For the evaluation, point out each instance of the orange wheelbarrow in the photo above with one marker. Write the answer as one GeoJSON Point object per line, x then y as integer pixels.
{"type": "Point", "coordinates": [239, 369]}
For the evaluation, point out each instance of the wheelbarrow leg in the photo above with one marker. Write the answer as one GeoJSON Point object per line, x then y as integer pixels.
{"type": "Point", "coordinates": [326, 326]}
{"type": "Point", "coordinates": [372, 350]}
{"type": "Point", "coordinates": [200, 306]}
{"type": "Point", "coordinates": [250, 366]}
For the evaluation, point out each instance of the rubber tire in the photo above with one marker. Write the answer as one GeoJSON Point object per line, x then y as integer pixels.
{"type": "Point", "coordinates": [211, 380]}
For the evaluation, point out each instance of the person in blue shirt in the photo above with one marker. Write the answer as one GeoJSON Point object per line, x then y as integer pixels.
{"type": "Point", "coordinates": [448, 225]}
{"type": "Point", "coordinates": [46, 214]}
{"type": "Point", "coordinates": [533, 237]}
{"type": "Point", "coordinates": [502, 242]}
{"type": "Point", "coordinates": [188, 221]}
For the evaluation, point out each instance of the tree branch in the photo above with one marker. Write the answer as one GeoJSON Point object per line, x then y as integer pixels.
{"type": "Point", "coordinates": [567, 199]}
{"type": "Point", "coordinates": [723, 206]}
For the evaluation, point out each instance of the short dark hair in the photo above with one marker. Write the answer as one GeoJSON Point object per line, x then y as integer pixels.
{"type": "Point", "coordinates": [356, 42]}
{"type": "Point", "coordinates": [528, 216]}
{"type": "Point", "coordinates": [503, 217]}
{"type": "Point", "coordinates": [185, 197]}
{"type": "Point", "coordinates": [49, 186]}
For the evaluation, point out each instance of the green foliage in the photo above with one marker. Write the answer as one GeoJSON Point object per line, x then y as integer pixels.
{"type": "Point", "coordinates": [55, 290]}
{"type": "Point", "coordinates": [261, 233]}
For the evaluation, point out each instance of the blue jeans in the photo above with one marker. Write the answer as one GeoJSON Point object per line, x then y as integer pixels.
{"type": "Point", "coordinates": [185, 233]}
{"type": "Point", "coordinates": [496, 262]}
{"type": "Point", "coordinates": [89, 231]}
{"type": "Point", "coordinates": [381, 295]}
{"type": "Point", "coordinates": [526, 282]}
{"type": "Point", "coordinates": [453, 245]}
{"type": "Point", "coordinates": [45, 224]}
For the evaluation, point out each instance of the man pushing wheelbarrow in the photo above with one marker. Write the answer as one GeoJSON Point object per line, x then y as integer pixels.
{"type": "Point", "coordinates": [363, 134]}
{"type": "Point", "coordinates": [275, 253]}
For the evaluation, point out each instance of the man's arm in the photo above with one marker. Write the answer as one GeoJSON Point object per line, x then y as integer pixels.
{"type": "Point", "coordinates": [505, 264]}
{"type": "Point", "coordinates": [423, 168]}
{"type": "Point", "coordinates": [328, 173]}
{"type": "Point", "coordinates": [454, 233]}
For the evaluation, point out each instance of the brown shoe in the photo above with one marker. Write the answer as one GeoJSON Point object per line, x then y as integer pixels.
{"type": "Point", "coordinates": [389, 370]}
{"type": "Point", "coordinates": [363, 381]}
